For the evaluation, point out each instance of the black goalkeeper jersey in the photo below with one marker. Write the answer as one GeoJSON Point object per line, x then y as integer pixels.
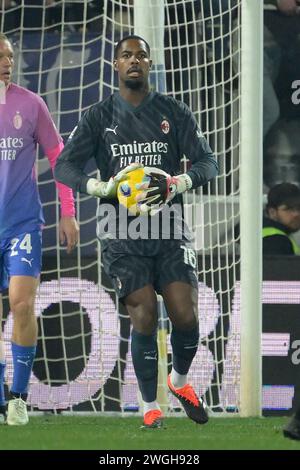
{"type": "Point", "coordinates": [157, 133]}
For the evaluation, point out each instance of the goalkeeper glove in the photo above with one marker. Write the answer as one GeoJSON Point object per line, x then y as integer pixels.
{"type": "Point", "coordinates": [161, 188]}
{"type": "Point", "coordinates": [108, 189]}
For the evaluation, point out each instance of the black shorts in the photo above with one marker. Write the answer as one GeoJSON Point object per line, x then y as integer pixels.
{"type": "Point", "coordinates": [133, 264]}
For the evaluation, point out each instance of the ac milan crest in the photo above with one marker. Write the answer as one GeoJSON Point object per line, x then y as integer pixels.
{"type": "Point", "coordinates": [165, 126]}
{"type": "Point", "coordinates": [17, 120]}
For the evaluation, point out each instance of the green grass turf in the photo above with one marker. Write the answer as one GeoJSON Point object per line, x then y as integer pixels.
{"type": "Point", "coordinates": [61, 432]}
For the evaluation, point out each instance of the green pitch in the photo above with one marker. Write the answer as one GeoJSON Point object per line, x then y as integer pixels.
{"type": "Point", "coordinates": [60, 432]}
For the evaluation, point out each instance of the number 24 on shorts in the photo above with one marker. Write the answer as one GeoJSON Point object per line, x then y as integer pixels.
{"type": "Point", "coordinates": [25, 244]}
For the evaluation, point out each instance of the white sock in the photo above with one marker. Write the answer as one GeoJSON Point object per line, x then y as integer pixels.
{"type": "Point", "coordinates": [2, 351]}
{"type": "Point", "coordinates": [178, 380]}
{"type": "Point", "coordinates": [152, 405]}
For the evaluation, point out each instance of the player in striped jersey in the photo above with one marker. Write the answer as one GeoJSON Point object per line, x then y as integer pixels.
{"type": "Point", "coordinates": [24, 122]}
{"type": "Point", "coordinates": [132, 128]}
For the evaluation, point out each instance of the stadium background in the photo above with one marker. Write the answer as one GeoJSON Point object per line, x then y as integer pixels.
{"type": "Point", "coordinates": [69, 359]}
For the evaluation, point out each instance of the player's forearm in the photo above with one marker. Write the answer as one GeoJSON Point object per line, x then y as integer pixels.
{"type": "Point", "coordinates": [68, 173]}
{"type": "Point", "coordinates": [202, 171]}
{"type": "Point", "coordinates": [65, 194]}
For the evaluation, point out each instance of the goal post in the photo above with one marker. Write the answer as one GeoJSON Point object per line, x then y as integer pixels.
{"type": "Point", "coordinates": [251, 203]}
{"type": "Point", "coordinates": [149, 24]}
{"type": "Point", "coordinates": [209, 55]}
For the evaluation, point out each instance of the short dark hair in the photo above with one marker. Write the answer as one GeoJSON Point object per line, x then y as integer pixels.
{"type": "Point", "coordinates": [287, 194]}
{"type": "Point", "coordinates": [131, 36]}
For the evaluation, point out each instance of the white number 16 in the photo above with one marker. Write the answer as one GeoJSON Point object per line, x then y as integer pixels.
{"type": "Point", "coordinates": [189, 256]}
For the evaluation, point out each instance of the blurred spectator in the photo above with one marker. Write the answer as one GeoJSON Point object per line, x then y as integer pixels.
{"type": "Point", "coordinates": [79, 13]}
{"type": "Point", "coordinates": [219, 17]}
{"type": "Point", "coordinates": [282, 153]}
{"type": "Point", "coordinates": [10, 16]}
{"type": "Point", "coordinates": [288, 7]}
{"type": "Point", "coordinates": [281, 68]}
{"type": "Point", "coordinates": [274, 48]}
{"type": "Point", "coordinates": [180, 47]}
{"type": "Point", "coordinates": [52, 14]}
{"type": "Point", "coordinates": [272, 57]}
{"type": "Point", "coordinates": [35, 14]}
{"type": "Point", "coordinates": [281, 220]}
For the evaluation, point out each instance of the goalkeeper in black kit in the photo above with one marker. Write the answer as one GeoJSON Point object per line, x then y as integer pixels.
{"type": "Point", "coordinates": [132, 129]}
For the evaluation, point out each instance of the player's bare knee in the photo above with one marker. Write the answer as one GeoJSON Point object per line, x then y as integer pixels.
{"type": "Point", "coordinates": [145, 324]}
{"type": "Point", "coordinates": [143, 315]}
{"type": "Point", "coordinates": [186, 323]}
{"type": "Point", "coordinates": [185, 315]}
{"type": "Point", "coordinates": [22, 308]}
{"type": "Point", "coordinates": [142, 299]}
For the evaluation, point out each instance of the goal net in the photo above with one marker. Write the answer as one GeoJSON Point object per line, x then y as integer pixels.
{"type": "Point", "coordinates": [64, 52]}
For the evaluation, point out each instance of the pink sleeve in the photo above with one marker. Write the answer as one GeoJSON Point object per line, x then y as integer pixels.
{"type": "Point", "coordinates": [65, 193]}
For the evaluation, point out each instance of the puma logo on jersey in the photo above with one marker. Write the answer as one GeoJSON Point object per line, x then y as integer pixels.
{"type": "Point", "coordinates": [109, 129]}
{"type": "Point", "coordinates": [29, 261]}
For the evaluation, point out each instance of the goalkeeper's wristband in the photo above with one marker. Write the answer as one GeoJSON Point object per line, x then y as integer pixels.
{"type": "Point", "coordinates": [183, 183]}
{"type": "Point", "coordinates": [109, 189]}
{"type": "Point", "coordinates": [95, 187]}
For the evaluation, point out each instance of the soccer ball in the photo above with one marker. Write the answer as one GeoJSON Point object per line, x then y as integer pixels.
{"type": "Point", "coordinates": [127, 191]}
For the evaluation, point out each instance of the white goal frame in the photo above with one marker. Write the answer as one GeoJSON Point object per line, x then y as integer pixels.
{"type": "Point", "coordinates": [71, 283]}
